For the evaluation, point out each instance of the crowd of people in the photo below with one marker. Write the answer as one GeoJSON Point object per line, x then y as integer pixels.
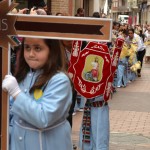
{"type": "Point", "coordinates": [135, 49]}
{"type": "Point", "coordinates": [43, 98]}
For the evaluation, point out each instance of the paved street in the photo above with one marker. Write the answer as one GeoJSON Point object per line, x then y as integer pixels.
{"type": "Point", "coordinates": [129, 116]}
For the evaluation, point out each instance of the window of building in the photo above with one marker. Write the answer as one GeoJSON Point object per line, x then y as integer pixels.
{"type": "Point", "coordinates": [115, 3]}
{"type": "Point", "coordinates": [22, 3]}
{"type": "Point", "coordinates": [123, 2]}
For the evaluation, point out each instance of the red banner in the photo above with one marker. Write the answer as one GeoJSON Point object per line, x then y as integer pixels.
{"type": "Point", "coordinates": [92, 68]}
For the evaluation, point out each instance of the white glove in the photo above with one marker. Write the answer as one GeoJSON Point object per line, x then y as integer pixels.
{"type": "Point", "coordinates": [41, 12]}
{"type": "Point", "coordinates": [23, 11]}
{"type": "Point", "coordinates": [10, 85]}
{"type": "Point", "coordinates": [33, 11]}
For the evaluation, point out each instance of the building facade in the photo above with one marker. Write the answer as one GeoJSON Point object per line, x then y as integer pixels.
{"type": "Point", "coordinates": [144, 6]}
{"type": "Point", "coordinates": [119, 7]}
{"type": "Point", "coordinates": [138, 10]}
{"type": "Point", "coordinates": [70, 6]}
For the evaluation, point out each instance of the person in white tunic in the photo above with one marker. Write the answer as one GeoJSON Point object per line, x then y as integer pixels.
{"type": "Point", "coordinates": [41, 95]}
{"type": "Point", "coordinates": [140, 51]}
{"type": "Point", "coordinates": [147, 43]}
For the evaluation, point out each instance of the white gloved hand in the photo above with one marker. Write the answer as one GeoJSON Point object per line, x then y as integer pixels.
{"type": "Point", "coordinates": [10, 85]}
{"type": "Point", "coordinates": [23, 11]}
{"type": "Point", "coordinates": [33, 11]}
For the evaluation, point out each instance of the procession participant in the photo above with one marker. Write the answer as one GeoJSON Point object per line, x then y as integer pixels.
{"type": "Point", "coordinates": [41, 95]}
{"type": "Point", "coordinates": [147, 43]}
{"type": "Point", "coordinates": [66, 46]}
{"type": "Point", "coordinates": [94, 132]}
{"type": "Point", "coordinates": [123, 63]}
{"type": "Point", "coordinates": [80, 102]}
{"type": "Point", "coordinates": [115, 29]}
{"type": "Point", "coordinates": [115, 34]}
{"type": "Point", "coordinates": [137, 40]}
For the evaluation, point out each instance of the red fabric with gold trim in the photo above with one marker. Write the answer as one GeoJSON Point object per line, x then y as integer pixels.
{"type": "Point", "coordinates": [76, 49]}
{"type": "Point", "coordinates": [115, 58]}
{"type": "Point", "coordinates": [91, 69]}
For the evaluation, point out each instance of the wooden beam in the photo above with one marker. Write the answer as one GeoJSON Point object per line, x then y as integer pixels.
{"type": "Point", "coordinates": [60, 27]}
{"type": "Point", "coordinates": [4, 102]}
{"type": "Point", "coordinates": [0, 92]}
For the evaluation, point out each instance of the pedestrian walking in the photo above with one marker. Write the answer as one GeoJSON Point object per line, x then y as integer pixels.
{"type": "Point", "coordinates": [41, 96]}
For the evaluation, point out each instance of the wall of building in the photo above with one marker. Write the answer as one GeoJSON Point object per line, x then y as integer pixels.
{"type": "Point", "coordinates": [66, 6]}
{"type": "Point", "coordinates": [91, 8]}
{"type": "Point", "coordinates": [148, 14]}
{"type": "Point", "coordinates": [144, 13]}
{"type": "Point", "coordinates": [59, 6]}
{"type": "Point", "coordinates": [148, 9]}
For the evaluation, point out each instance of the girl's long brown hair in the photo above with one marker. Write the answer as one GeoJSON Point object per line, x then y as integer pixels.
{"type": "Point", "coordinates": [55, 63]}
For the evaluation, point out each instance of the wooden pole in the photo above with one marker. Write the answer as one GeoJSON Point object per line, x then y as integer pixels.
{"type": "Point", "coordinates": [0, 91]}
{"type": "Point", "coordinates": [4, 101]}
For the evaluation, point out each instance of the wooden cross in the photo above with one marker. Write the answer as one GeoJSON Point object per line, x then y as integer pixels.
{"type": "Point", "coordinates": [56, 27]}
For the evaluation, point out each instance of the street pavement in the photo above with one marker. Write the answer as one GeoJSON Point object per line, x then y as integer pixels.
{"type": "Point", "coordinates": [129, 116]}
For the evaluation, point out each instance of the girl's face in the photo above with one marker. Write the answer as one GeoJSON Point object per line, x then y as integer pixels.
{"type": "Point", "coordinates": [36, 52]}
{"type": "Point", "coordinates": [131, 34]}
{"type": "Point", "coordinates": [116, 27]}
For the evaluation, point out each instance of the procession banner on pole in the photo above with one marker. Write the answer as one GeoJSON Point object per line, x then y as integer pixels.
{"type": "Point", "coordinates": [56, 27]}
{"type": "Point", "coordinates": [92, 68]}
{"type": "Point", "coordinates": [4, 101]}
{"type": "Point", "coordinates": [0, 92]}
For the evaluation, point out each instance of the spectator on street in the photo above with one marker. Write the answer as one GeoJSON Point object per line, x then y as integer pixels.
{"type": "Point", "coordinates": [96, 15]}
{"type": "Point", "coordinates": [80, 12]}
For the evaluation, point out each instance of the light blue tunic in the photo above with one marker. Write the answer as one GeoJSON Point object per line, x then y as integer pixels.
{"type": "Point", "coordinates": [99, 132]}
{"type": "Point", "coordinates": [41, 124]}
{"type": "Point", "coordinates": [122, 72]}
